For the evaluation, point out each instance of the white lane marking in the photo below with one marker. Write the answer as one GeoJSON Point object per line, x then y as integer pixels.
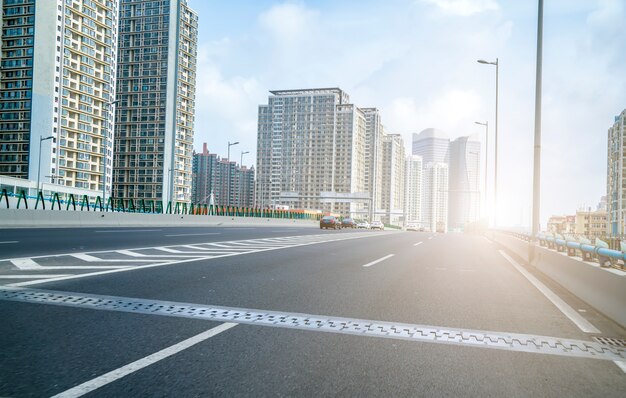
{"type": "Point", "coordinates": [32, 276]}
{"type": "Point", "coordinates": [187, 259]}
{"type": "Point", "coordinates": [130, 253]}
{"type": "Point", "coordinates": [132, 367]}
{"type": "Point", "coordinates": [208, 233]}
{"type": "Point", "coordinates": [167, 249]}
{"type": "Point", "coordinates": [379, 260]}
{"type": "Point", "coordinates": [10, 241]}
{"type": "Point", "coordinates": [127, 230]}
{"type": "Point", "coordinates": [417, 244]}
{"type": "Point", "coordinates": [568, 311]}
{"type": "Point", "coordinates": [621, 365]}
{"type": "Point", "coordinates": [25, 263]}
{"type": "Point", "coordinates": [487, 239]}
{"type": "Point", "coordinates": [93, 259]}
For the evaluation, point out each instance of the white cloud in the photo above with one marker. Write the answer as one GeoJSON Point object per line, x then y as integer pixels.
{"type": "Point", "coordinates": [289, 23]}
{"type": "Point", "coordinates": [464, 7]}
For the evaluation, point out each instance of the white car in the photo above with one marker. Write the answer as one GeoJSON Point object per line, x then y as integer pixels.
{"type": "Point", "coordinates": [412, 227]}
{"type": "Point", "coordinates": [377, 225]}
{"type": "Point", "coordinates": [363, 225]}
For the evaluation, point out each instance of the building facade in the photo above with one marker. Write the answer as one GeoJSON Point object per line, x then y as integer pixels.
{"type": "Point", "coordinates": [221, 182]}
{"type": "Point", "coordinates": [413, 190]}
{"type": "Point", "coordinates": [464, 182]}
{"type": "Point", "coordinates": [374, 131]}
{"type": "Point", "coordinates": [392, 190]}
{"type": "Point", "coordinates": [591, 224]}
{"type": "Point", "coordinates": [616, 178]}
{"type": "Point", "coordinates": [58, 78]}
{"type": "Point", "coordinates": [435, 197]}
{"type": "Point", "coordinates": [311, 152]}
{"type": "Point", "coordinates": [433, 146]}
{"type": "Point", "coordinates": [155, 100]}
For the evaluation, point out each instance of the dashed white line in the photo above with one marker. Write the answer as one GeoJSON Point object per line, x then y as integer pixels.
{"type": "Point", "coordinates": [9, 241]}
{"type": "Point", "coordinates": [25, 264]}
{"type": "Point", "coordinates": [132, 367]}
{"type": "Point", "coordinates": [417, 244]}
{"type": "Point", "coordinates": [379, 260]}
{"type": "Point", "coordinates": [568, 311]}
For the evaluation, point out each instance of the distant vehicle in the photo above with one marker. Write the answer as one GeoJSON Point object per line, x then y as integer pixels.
{"type": "Point", "coordinates": [412, 227]}
{"type": "Point", "coordinates": [348, 223]}
{"type": "Point", "coordinates": [377, 225]}
{"type": "Point", "coordinates": [363, 225]}
{"type": "Point", "coordinates": [330, 222]}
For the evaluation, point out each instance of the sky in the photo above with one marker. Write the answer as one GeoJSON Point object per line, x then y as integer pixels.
{"type": "Point", "coordinates": [415, 60]}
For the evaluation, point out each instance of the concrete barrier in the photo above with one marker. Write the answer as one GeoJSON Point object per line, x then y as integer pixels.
{"type": "Point", "coordinates": [602, 288]}
{"type": "Point", "coordinates": [22, 218]}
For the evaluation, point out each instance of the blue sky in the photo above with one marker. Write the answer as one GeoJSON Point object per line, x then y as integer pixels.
{"type": "Point", "coordinates": [415, 60]}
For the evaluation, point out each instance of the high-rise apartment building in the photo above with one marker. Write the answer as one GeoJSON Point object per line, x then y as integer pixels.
{"type": "Point", "coordinates": [374, 131]}
{"type": "Point", "coordinates": [155, 100]}
{"type": "Point", "coordinates": [58, 77]}
{"type": "Point", "coordinates": [413, 189]}
{"type": "Point", "coordinates": [311, 152]}
{"type": "Point", "coordinates": [221, 182]}
{"type": "Point", "coordinates": [464, 182]}
{"type": "Point", "coordinates": [435, 198]}
{"type": "Point", "coordinates": [616, 178]}
{"type": "Point", "coordinates": [393, 179]}
{"type": "Point", "coordinates": [433, 146]}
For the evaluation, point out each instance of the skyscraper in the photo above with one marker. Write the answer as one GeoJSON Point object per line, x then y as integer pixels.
{"type": "Point", "coordinates": [434, 148]}
{"type": "Point", "coordinates": [616, 178]}
{"type": "Point", "coordinates": [464, 182]}
{"type": "Point", "coordinates": [413, 189]}
{"type": "Point", "coordinates": [374, 131]}
{"type": "Point", "coordinates": [58, 79]}
{"type": "Point", "coordinates": [311, 152]}
{"type": "Point", "coordinates": [435, 207]}
{"type": "Point", "coordinates": [156, 94]}
{"type": "Point", "coordinates": [393, 179]}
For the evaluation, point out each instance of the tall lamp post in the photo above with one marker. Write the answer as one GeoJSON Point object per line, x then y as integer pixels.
{"type": "Point", "coordinates": [495, 176]}
{"type": "Point", "coordinates": [105, 145]}
{"type": "Point", "coordinates": [537, 143]}
{"type": "Point", "coordinates": [486, 124]}
{"type": "Point", "coordinates": [241, 161]}
{"type": "Point", "coordinates": [41, 139]}
{"type": "Point", "coordinates": [228, 182]}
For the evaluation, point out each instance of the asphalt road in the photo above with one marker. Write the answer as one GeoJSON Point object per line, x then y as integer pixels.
{"type": "Point", "coordinates": [451, 282]}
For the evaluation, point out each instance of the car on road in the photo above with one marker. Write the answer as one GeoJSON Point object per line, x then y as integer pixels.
{"type": "Point", "coordinates": [348, 223]}
{"type": "Point", "coordinates": [412, 227]}
{"type": "Point", "coordinates": [377, 225]}
{"type": "Point", "coordinates": [363, 225]}
{"type": "Point", "coordinates": [330, 222]}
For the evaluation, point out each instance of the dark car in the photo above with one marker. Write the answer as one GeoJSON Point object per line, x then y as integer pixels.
{"type": "Point", "coordinates": [348, 223]}
{"type": "Point", "coordinates": [330, 222]}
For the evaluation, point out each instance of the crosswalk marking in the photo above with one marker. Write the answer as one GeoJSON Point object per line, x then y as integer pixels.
{"type": "Point", "coordinates": [108, 261]}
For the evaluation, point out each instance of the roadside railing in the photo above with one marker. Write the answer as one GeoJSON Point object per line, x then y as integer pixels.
{"type": "Point", "coordinates": [578, 246]}
{"type": "Point", "coordinates": [70, 202]}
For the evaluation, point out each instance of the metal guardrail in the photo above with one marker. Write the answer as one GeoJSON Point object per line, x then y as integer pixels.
{"type": "Point", "coordinates": [577, 246]}
{"type": "Point", "coordinates": [130, 205]}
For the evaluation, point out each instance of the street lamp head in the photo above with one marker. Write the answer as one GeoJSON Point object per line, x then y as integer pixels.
{"type": "Point", "coordinates": [482, 61]}
{"type": "Point", "coordinates": [46, 138]}
{"type": "Point", "coordinates": [481, 123]}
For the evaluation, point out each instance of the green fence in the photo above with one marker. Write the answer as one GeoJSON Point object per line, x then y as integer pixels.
{"type": "Point", "coordinates": [71, 202]}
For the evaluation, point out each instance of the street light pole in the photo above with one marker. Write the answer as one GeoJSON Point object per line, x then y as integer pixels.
{"type": "Point", "coordinates": [537, 144]}
{"type": "Point", "coordinates": [41, 139]}
{"type": "Point", "coordinates": [486, 124]}
{"type": "Point", "coordinates": [241, 161]}
{"type": "Point", "coordinates": [228, 165]}
{"type": "Point", "coordinates": [495, 176]}
{"type": "Point", "coordinates": [105, 145]}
